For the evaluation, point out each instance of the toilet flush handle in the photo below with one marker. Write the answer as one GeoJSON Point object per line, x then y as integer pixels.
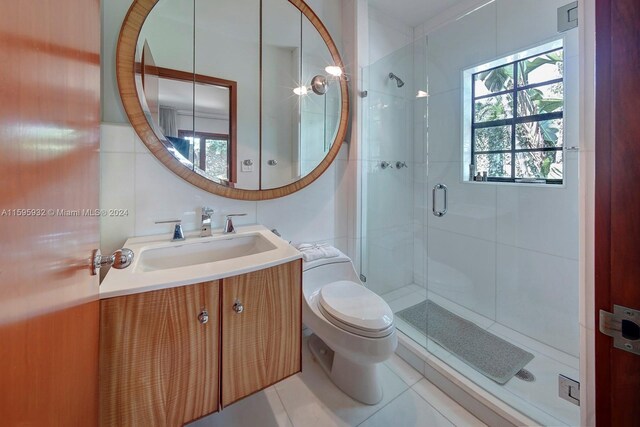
{"type": "Point", "coordinates": [238, 307]}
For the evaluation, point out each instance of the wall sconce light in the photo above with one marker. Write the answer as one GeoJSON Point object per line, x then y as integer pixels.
{"type": "Point", "coordinates": [319, 84]}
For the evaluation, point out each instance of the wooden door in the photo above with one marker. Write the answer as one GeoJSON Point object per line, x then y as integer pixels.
{"type": "Point", "coordinates": [617, 255]}
{"type": "Point", "coordinates": [158, 360]}
{"type": "Point", "coordinates": [262, 344]}
{"type": "Point", "coordinates": [49, 168]}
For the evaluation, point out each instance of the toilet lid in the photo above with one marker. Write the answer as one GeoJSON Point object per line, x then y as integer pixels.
{"type": "Point", "coordinates": [356, 306]}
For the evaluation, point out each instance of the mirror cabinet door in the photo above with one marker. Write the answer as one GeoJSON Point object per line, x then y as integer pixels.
{"type": "Point", "coordinates": [164, 78]}
{"type": "Point", "coordinates": [318, 118]}
{"type": "Point", "coordinates": [281, 68]}
{"type": "Point", "coordinates": [227, 47]}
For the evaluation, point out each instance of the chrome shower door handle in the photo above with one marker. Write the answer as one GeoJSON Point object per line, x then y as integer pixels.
{"type": "Point", "coordinates": [436, 212]}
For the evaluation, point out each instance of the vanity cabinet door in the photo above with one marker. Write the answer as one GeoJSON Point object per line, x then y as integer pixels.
{"type": "Point", "coordinates": [159, 356]}
{"type": "Point", "coordinates": [261, 329]}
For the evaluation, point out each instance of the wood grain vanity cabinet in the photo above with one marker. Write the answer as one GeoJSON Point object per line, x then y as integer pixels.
{"type": "Point", "coordinates": [158, 360]}
{"type": "Point", "coordinates": [161, 364]}
{"type": "Point", "coordinates": [261, 329]}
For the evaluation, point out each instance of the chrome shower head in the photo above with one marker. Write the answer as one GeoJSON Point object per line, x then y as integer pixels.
{"type": "Point", "coordinates": [398, 80]}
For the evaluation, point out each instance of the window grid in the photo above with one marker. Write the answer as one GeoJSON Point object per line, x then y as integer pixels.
{"type": "Point", "coordinates": [514, 120]}
{"type": "Point", "coordinates": [201, 160]}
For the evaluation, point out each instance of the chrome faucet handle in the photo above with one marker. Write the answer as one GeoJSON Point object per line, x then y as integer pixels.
{"type": "Point", "coordinates": [228, 223]}
{"type": "Point", "coordinates": [178, 234]}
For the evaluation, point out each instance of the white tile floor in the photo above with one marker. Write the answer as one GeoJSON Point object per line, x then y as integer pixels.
{"type": "Point", "coordinates": [310, 399]}
{"type": "Point", "coordinates": [539, 399]}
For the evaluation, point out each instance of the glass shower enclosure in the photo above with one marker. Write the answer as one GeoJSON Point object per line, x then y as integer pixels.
{"type": "Point", "coordinates": [482, 274]}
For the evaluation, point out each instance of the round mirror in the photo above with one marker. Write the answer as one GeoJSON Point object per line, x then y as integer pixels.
{"type": "Point", "coordinates": [246, 99]}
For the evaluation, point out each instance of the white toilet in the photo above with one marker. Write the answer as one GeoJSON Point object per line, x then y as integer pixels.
{"type": "Point", "coordinates": [353, 328]}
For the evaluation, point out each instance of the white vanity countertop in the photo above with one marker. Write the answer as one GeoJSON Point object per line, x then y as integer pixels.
{"type": "Point", "coordinates": [134, 279]}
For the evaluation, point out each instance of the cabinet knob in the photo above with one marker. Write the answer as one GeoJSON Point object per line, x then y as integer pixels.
{"type": "Point", "coordinates": [203, 317]}
{"type": "Point", "coordinates": [238, 307]}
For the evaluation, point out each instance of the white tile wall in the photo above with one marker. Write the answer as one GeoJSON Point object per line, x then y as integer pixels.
{"type": "Point", "coordinates": [389, 258]}
{"type": "Point", "coordinates": [467, 41]}
{"type": "Point", "coordinates": [386, 35]}
{"type": "Point", "coordinates": [537, 296]}
{"type": "Point", "coordinates": [541, 219]}
{"type": "Point", "coordinates": [462, 268]}
{"type": "Point", "coordinates": [524, 23]}
{"type": "Point", "coordinates": [390, 127]}
{"type": "Point", "coordinates": [445, 115]}
{"type": "Point", "coordinates": [133, 179]}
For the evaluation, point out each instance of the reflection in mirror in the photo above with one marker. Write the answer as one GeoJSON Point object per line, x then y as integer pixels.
{"type": "Point", "coordinates": [301, 95]}
{"type": "Point", "coordinates": [320, 105]}
{"type": "Point", "coordinates": [165, 79]}
{"type": "Point", "coordinates": [211, 149]}
{"type": "Point", "coordinates": [193, 108]}
{"type": "Point", "coordinates": [227, 46]}
{"type": "Point", "coordinates": [281, 65]}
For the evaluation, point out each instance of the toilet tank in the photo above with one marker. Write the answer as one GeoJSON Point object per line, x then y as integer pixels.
{"type": "Point", "coordinates": [320, 272]}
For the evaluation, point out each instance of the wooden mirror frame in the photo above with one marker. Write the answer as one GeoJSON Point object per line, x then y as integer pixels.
{"type": "Point", "coordinates": [125, 73]}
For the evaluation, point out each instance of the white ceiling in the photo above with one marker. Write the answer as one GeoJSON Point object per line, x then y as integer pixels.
{"type": "Point", "coordinates": [413, 12]}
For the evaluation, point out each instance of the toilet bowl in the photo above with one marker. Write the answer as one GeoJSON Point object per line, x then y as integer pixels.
{"type": "Point", "coordinates": [353, 328]}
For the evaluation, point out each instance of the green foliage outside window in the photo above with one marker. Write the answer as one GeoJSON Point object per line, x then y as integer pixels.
{"type": "Point", "coordinates": [518, 120]}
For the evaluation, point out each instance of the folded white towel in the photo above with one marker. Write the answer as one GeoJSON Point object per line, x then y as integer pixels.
{"type": "Point", "coordinates": [312, 252]}
{"type": "Point", "coordinates": [304, 246]}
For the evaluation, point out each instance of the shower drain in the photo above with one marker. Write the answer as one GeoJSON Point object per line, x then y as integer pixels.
{"type": "Point", "coordinates": [525, 375]}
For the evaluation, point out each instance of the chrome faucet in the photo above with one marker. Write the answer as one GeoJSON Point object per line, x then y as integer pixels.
{"type": "Point", "coordinates": [205, 222]}
{"type": "Point", "coordinates": [178, 234]}
{"type": "Point", "coordinates": [228, 223]}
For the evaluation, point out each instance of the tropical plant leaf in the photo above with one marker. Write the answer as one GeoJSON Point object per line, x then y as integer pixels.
{"type": "Point", "coordinates": [549, 132]}
{"type": "Point", "coordinates": [497, 79]}
{"type": "Point", "coordinates": [530, 65]}
{"type": "Point", "coordinates": [548, 105]}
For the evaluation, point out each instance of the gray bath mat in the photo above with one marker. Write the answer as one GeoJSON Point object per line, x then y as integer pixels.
{"type": "Point", "coordinates": [488, 354]}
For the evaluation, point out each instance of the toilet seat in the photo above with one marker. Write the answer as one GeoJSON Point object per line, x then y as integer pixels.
{"type": "Point", "coordinates": [356, 309]}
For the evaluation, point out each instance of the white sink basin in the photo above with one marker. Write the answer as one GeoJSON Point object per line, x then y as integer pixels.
{"type": "Point", "coordinates": [160, 264]}
{"type": "Point", "coordinates": [182, 254]}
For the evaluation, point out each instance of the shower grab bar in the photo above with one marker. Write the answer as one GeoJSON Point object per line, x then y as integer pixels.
{"type": "Point", "coordinates": [433, 200]}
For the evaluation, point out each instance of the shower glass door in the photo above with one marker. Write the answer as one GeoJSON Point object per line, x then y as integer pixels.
{"type": "Point", "coordinates": [388, 169]}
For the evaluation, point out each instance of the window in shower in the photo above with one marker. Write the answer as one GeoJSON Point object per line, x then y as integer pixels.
{"type": "Point", "coordinates": [514, 109]}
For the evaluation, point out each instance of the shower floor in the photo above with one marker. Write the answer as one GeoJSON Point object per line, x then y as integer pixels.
{"type": "Point", "coordinates": [538, 399]}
